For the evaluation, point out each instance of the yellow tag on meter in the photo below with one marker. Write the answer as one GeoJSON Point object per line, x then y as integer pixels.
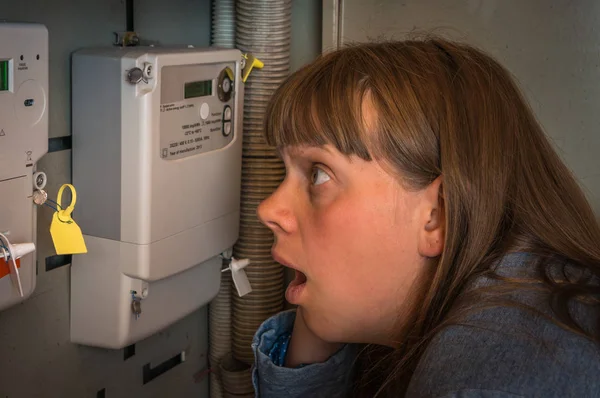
{"type": "Point", "coordinates": [251, 63]}
{"type": "Point", "coordinates": [66, 234]}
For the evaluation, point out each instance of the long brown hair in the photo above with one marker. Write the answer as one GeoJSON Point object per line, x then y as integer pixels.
{"type": "Point", "coordinates": [448, 109]}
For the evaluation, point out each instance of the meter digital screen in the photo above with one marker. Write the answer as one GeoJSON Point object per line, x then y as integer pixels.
{"type": "Point", "coordinates": [197, 89]}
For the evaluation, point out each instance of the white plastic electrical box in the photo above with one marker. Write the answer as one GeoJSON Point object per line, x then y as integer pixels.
{"type": "Point", "coordinates": [157, 150]}
{"type": "Point", "coordinates": [23, 141]}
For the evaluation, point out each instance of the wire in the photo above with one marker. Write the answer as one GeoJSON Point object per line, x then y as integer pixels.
{"type": "Point", "coordinates": [2, 243]}
{"type": "Point", "coordinates": [5, 245]}
{"type": "Point", "coordinates": [129, 19]}
{"type": "Point", "coordinates": [4, 254]}
{"type": "Point", "coordinates": [56, 209]}
{"type": "Point", "coordinates": [14, 261]}
{"type": "Point", "coordinates": [58, 206]}
{"type": "Point", "coordinates": [50, 206]}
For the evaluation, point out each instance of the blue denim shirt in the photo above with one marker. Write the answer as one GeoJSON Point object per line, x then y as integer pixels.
{"type": "Point", "coordinates": [500, 352]}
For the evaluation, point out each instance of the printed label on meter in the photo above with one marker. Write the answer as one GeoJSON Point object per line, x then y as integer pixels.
{"type": "Point", "coordinates": [184, 131]}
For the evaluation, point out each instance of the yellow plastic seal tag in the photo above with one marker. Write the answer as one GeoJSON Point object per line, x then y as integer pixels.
{"type": "Point", "coordinates": [251, 63]}
{"type": "Point", "coordinates": [66, 234]}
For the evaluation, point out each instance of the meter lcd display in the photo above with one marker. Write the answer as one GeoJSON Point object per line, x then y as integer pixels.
{"type": "Point", "coordinates": [197, 89]}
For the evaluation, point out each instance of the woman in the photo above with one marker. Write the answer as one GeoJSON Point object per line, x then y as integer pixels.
{"type": "Point", "coordinates": [441, 247]}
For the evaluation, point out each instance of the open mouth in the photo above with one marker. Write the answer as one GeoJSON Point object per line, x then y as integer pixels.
{"type": "Point", "coordinates": [300, 279]}
{"type": "Point", "coordinates": [295, 288]}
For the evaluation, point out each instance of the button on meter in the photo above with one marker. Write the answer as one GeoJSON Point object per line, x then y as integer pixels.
{"type": "Point", "coordinates": [227, 113]}
{"type": "Point", "coordinates": [204, 111]}
{"type": "Point", "coordinates": [226, 85]}
{"type": "Point", "coordinates": [224, 88]}
{"type": "Point", "coordinates": [226, 129]}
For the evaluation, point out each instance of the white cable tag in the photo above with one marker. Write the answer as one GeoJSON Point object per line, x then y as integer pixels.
{"type": "Point", "coordinates": [240, 279]}
{"type": "Point", "coordinates": [20, 250]}
{"type": "Point", "coordinates": [15, 252]}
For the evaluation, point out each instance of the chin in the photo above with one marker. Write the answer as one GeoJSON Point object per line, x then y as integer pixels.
{"type": "Point", "coordinates": [327, 328]}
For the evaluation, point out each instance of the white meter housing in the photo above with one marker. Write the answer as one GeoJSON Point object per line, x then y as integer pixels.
{"type": "Point", "coordinates": [23, 141]}
{"type": "Point", "coordinates": [157, 150]}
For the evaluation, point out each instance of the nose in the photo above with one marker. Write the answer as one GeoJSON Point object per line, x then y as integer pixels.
{"type": "Point", "coordinates": [276, 211]}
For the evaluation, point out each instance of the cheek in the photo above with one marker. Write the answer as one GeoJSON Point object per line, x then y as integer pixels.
{"type": "Point", "coordinates": [363, 255]}
{"type": "Point", "coordinates": [358, 246]}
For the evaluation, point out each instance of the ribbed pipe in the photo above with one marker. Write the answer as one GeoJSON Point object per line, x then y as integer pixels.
{"type": "Point", "coordinates": [263, 28]}
{"type": "Point", "coordinates": [223, 23]}
{"type": "Point", "coordinates": [219, 317]}
{"type": "Point", "coordinates": [219, 333]}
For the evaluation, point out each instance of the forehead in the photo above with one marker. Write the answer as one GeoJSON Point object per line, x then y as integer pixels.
{"type": "Point", "coordinates": [367, 120]}
{"type": "Point", "coordinates": [315, 108]}
{"type": "Point", "coordinates": [368, 114]}
{"type": "Point", "coordinates": [303, 150]}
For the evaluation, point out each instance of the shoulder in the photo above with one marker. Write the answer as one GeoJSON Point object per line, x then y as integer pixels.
{"type": "Point", "coordinates": [506, 351]}
{"type": "Point", "coordinates": [506, 358]}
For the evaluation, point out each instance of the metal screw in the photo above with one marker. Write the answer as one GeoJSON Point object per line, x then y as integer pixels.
{"type": "Point", "coordinates": [136, 307]}
{"type": "Point", "coordinates": [135, 75]}
{"type": "Point", "coordinates": [40, 197]}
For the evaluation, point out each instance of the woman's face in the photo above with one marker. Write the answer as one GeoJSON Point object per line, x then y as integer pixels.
{"type": "Point", "coordinates": [357, 239]}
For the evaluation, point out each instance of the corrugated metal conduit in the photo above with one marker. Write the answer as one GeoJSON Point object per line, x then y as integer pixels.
{"type": "Point", "coordinates": [219, 315]}
{"type": "Point", "coordinates": [263, 28]}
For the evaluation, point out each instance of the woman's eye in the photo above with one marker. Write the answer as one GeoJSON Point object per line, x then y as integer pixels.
{"type": "Point", "coordinates": [319, 177]}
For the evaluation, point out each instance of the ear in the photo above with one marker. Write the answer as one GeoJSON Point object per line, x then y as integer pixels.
{"type": "Point", "coordinates": [433, 220]}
